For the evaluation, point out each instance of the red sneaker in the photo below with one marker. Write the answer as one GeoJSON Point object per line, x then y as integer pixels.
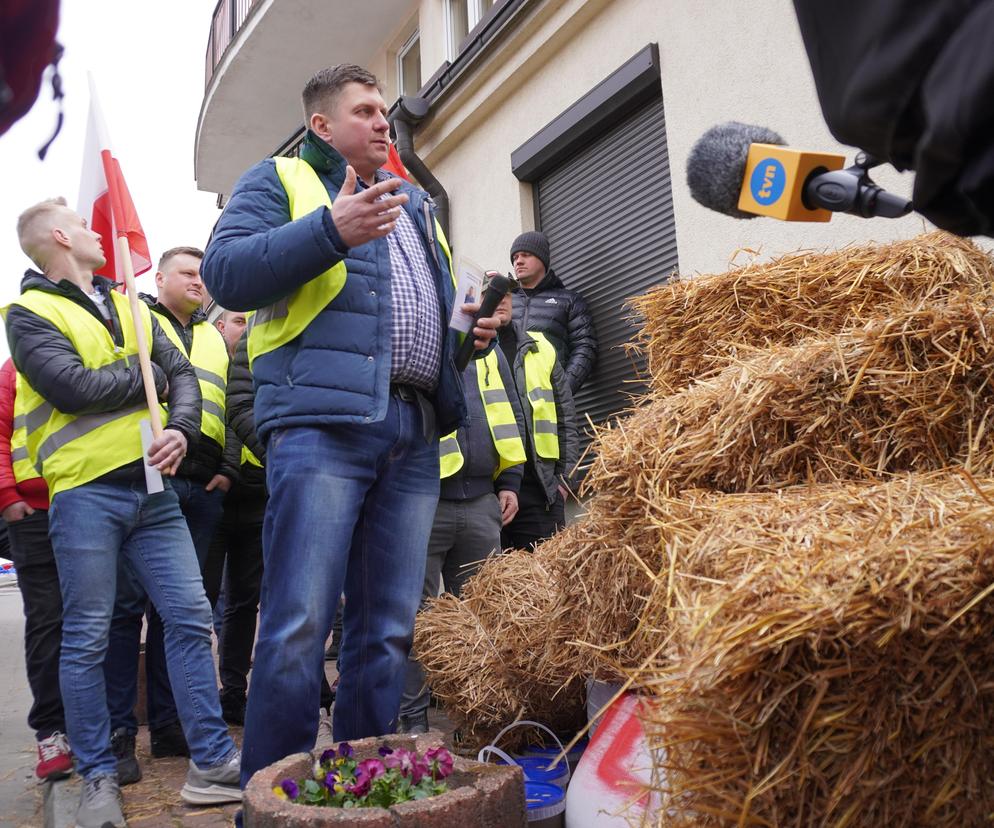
{"type": "Point", "coordinates": [54, 757]}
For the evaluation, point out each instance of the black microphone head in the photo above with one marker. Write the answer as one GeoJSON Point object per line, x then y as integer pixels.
{"type": "Point", "coordinates": [717, 162]}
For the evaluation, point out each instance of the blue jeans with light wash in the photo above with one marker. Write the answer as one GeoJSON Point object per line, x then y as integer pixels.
{"type": "Point", "coordinates": [202, 512]}
{"type": "Point", "coordinates": [350, 510]}
{"type": "Point", "coordinates": [91, 528]}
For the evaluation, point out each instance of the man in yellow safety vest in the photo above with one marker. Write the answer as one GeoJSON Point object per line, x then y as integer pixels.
{"type": "Point", "coordinates": [82, 399]}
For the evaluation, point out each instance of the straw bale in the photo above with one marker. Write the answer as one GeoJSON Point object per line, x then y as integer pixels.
{"type": "Point", "coordinates": [830, 658]}
{"type": "Point", "coordinates": [692, 324]}
{"type": "Point", "coordinates": [910, 392]}
{"type": "Point", "coordinates": [482, 655]}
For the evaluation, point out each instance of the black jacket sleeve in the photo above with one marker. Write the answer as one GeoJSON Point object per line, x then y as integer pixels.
{"type": "Point", "coordinates": [911, 81]}
{"type": "Point", "coordinates": [569, 441]}
{"type": "Point", "coordinates": [55, 370]}
{"type": "Point", "coordinates": [184, 400]}
{"type": "Point", "coordinates": [582, 338]}
{"type": "Point", "coordinates": [240, 403]}
{"type": "Point", "coordinates": [231, 458]}
{"type": "Point", "coordinates": [510, 478]}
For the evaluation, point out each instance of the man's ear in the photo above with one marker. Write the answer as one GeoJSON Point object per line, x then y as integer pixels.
{"type": "Point", "coordinates": [61, 237]}
{"type": "Point", "coordinates": [159, 278]}
{"type": "Point", "coordinates": [320, 126]}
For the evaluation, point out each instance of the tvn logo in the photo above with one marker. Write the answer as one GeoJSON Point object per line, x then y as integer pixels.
{"type": "Point", "coordinates": [768, 181]}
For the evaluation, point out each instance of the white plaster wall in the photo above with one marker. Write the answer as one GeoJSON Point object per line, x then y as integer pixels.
{"type": "Point", "coordinates": [721, 60]}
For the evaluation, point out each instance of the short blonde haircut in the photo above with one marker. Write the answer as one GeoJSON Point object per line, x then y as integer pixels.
{"type": "Point", "coordinates": [34, 227]}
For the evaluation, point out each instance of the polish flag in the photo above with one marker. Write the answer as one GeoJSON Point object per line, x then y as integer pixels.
{"type": "Point", "coordinates": [104, 200]}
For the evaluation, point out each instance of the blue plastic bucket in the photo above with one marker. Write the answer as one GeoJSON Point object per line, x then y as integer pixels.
{"type": "Point", "coordinates": [548, 753]}
{"type": "Point", "coordinates": [546, 805]}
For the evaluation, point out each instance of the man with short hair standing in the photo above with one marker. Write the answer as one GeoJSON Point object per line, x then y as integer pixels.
{"type": "Point", "coordinates": [201, 482]}
{"type": "Point", "coordinates": [354, 371]}
{"type": "Point", "coordinates": [83, 399]}
{"type": "Point", "coordinates": [546, 305]}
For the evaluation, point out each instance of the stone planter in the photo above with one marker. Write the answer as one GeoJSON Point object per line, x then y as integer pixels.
{"type": "Point", "coordinates": [479, 795]}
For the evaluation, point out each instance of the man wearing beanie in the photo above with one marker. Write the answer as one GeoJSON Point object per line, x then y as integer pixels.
{"type": "Point", "coordinates": [545, 304]}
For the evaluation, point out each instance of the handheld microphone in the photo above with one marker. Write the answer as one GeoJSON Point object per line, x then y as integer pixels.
{"type": "Point", "coordinates": [745, 171]}
{"type": "Point", "coordinates": [496, 290]}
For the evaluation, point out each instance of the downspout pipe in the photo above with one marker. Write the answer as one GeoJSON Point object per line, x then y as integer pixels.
{"type": "Point", "coordinates": [404, 117]}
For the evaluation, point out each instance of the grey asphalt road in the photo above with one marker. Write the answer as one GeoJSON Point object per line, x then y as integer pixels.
{"type": "Point", "coordinates": [20, 793]}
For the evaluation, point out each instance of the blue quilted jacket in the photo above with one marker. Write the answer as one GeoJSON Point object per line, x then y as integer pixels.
{"type": "Point", "coordinates": [338, 370]}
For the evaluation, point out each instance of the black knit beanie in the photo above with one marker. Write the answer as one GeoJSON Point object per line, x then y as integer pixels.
{"type": "Point", "coordinates": [532, 242]}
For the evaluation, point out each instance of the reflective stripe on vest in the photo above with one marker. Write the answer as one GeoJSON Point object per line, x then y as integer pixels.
{"type": "Point", "coordinates": [539, 362]}
{"type": "Point", "coordinates": [70, 450]}
{"type": "Point", "coordinates": [209, 356]}
{"type": "Point", "coordinates": [286, 319]}
{"type": "Point", "coordinates": [19, 460]}
{"type": "Point", "coordinates": [249, 457]}
{"type": "Point", "coordinates": [500, 418]}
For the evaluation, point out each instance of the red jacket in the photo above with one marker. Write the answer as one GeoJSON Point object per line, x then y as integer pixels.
{"type": "Point", "coordinates": [34, 491]}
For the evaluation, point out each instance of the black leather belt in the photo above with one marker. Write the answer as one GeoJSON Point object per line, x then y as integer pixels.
{"type": "Point", "coordinates": [411, 394]}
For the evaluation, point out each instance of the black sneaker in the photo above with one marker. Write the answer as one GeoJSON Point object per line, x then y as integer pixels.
{"type": "Point", "coordinates": [122, 744]}
{"type": "Point", "coordinates": [169, 741]}
{"type": "Point", "coordinates": [414, 724]}
{"type": "Point", "coordinates": [233, 708]}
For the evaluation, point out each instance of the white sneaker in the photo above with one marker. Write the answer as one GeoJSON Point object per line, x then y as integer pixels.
{"type": "Point", "coordinates": [214, 785]}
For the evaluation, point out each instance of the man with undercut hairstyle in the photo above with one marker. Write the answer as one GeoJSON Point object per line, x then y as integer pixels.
{"type": "Point", "coordinates": [354, 369]}
{"type": "Point", "coordinates": [201, 482]}
{"type": "Point", "coordinates": [81, 395]}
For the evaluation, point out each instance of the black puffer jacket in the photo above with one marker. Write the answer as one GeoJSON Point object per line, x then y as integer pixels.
{"type": "Point", "coordinates": [240, 411]}
{"type": "Point", "coordinates": [55, 370]}
{"type": "Point", "coordinates": [563, 316]}
{"type": "Point", "coordinates": [911, 81]}
{"type": "Point", "coordinates": [208, 458]}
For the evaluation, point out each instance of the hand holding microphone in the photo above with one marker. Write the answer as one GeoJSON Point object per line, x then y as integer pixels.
{"type": "Point", "coordinates": [485, 324]}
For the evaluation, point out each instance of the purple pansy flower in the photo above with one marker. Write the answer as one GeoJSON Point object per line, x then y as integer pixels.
{"type": "Point", "coordinates": [440, 761]}
{"type": "Point", "coordinates": [290, 788]}
{"type": "Point", "coordinates": [345, 750]}
{"type": "Point", "coordinates": [383, 750]}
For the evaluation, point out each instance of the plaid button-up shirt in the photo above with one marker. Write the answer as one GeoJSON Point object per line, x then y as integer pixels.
{"type": "Point", "coordinates": [417, 326]}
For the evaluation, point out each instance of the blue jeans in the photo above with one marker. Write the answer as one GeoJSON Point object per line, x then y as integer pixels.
{"type": "Point", "coordinates": [202, 511]}
{"type": "Point", "coordinates": [350, 510]}
{"type": "Point", "coordinates": [92, 527]}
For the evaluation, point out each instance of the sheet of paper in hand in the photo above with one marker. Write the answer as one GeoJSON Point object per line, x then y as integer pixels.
{"type": "Point", "coordinates": [469, 288]}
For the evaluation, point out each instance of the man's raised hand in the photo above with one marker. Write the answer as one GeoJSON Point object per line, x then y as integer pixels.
{"type": "Point", "coordinates": [361, 217]}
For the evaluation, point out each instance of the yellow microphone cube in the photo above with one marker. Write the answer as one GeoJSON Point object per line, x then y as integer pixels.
{"type": "Point", "coordinates": [773, 184]}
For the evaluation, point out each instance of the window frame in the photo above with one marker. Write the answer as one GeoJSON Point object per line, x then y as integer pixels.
{"type": "Point", "coordinates": [474, 14]}
{"type": "Point", "coordinates": [402, 52]}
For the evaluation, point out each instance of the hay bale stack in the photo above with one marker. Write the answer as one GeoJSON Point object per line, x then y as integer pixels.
{"type": "Point", "coordinates": [482, 654]}
{"type": "Point", "coordinates": [693, 324]}
{"type": "Point", "coordinates": [831, 659]}
{"type": "Point", "coordinates": [910, 392]}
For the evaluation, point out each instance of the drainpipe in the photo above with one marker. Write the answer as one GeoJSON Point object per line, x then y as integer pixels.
{"type": "Point", "coordinates": [406, 114]}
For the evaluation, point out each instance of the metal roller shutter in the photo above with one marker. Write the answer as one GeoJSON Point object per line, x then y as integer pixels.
{"type": "Point", "coordinates": [608, 213]}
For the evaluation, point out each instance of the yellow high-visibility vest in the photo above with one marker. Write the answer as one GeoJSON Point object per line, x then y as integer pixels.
{"type": "Point", "coordinates": [69, 450]}
{"type": "Point", "coordinates": [19, 460]}
{"type": "Point", "coordinates": [283, 321]}
{"type": "Point", "coordinates": [279, 323]}
{"type": "Point", "coordinates": [249, 457]}
{"type": "Point", "coordinates": [539, 362]}
{"type": "Point", "coordinates": [500, 418]}
{"type": "Point", "coordinates": [209, 357]}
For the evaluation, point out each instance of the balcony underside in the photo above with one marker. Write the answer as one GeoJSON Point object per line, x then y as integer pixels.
{"type": "Point", "coordinates": [253, 101]}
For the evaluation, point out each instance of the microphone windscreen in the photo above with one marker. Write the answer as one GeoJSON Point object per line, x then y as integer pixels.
{"type": "Point", "coordinates": [717, 163]}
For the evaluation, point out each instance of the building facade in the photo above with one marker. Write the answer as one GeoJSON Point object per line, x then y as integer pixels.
{"type": "Point", "coordinates": [570, 116]}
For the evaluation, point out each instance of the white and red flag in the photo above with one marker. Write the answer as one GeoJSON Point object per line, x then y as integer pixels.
{"type": "Point", "coordinates": [104, 199]}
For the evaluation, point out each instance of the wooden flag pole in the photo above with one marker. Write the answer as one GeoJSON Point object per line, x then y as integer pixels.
{"type": "Point", "coordinates": [144, 359]}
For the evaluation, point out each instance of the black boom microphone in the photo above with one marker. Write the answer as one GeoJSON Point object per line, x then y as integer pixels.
{"type": "Point", "coordinates": [744, 171]}
{"type": "Point", "coordinates": [496, 290]}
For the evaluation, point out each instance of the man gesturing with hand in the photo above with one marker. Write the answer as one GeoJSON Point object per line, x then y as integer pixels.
{"type": "Point", "coordinates": [349, 277]}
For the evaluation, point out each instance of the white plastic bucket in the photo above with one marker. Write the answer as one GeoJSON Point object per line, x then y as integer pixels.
{"type": "Point", "coordinates": [609, 788]}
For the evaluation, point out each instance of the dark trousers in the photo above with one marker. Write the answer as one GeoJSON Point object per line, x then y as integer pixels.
{"type": "Point", "coordinates": [237, 552]}
{"type": "Point", "coordinates": [202, 511]}
{"type": "Point", "coordinates": [536, 520]}
{"type": "Point", "coordinates": [38, 579]}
